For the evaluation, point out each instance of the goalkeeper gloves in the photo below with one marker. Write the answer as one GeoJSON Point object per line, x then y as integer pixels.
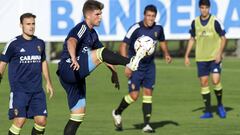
{"type": "Point", "coordinates": [114, 80]}
{"type": "Point", "coordinates": [0, 78]}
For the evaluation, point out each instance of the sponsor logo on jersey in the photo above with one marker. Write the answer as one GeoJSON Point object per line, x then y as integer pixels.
{"type": "Point", "coordinates": [22, 50]}
{"type": "Point", "coordinates": [85, 50]}
{"type": "Point", "coordinates": [30, 59]}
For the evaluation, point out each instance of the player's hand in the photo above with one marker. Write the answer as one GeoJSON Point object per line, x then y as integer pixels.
{"type": "Point", "coordinates": [50, 90]}
{"type": "Point", "coordinates": [168, 59]}
{"type": "Point", "coordinates": [128, 72]}
{"type": "Point", "coordinates": [187, 61]}
{"type": "Point", "coordinates": [74, 64]}
{"type": "Point", "coordinates": [115, 80]}
{"type": "Point", "coordinates": [218, 59]}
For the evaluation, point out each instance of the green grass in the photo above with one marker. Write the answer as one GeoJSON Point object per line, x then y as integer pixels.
{"type": "Point", "coordinates": [177, 103]}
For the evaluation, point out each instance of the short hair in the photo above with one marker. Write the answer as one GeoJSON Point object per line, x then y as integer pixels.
{"type": "Point", "coordinates": [26, 15]}
{"type": "Point", "coordinates": [204, 2]}
{"type": "Point", "coordinates": [91, 5]}
{"type": "Point", "coordinates": [151, 8]}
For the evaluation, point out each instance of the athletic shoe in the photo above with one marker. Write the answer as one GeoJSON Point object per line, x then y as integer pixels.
{"type": "Point", "coordinates": [148, 129]}
{"type": "Point", "coordinates": [117, 121]}
{"type": "Point", "coordinates": [206, 115]}
{"type": "Point", "coordinates": [221, 111]}
{"type": "Point", "coordinates": [134, 62]}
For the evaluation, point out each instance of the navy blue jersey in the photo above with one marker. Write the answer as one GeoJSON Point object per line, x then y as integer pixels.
{"type": "Point", "coordinates": [137, 30]}
{"type": "Point", "coordinates": [25, 59]}
{"type": "Point", "coordinates": [217, 25]}
{"type": "Point", "coordinates": [87, 39]}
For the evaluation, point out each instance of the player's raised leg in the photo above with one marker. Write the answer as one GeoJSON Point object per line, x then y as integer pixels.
{"type": "Point", "coordinates": [105, 55]}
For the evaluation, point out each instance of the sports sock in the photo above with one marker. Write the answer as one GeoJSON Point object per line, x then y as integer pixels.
{"type": "Point", "coordinates": [38, 130]}
{"type": "Point", "coordinates": [126, 101]}
{"type": "Point", "coordinates": [206, 95]}
{"type": "Point", "coordinates": [218, 92]}
{"type": "Point", "coordinates": [112, 58]}
{"type": "Point", "coordinates": [147, 109]}
{"type": "Point", "coordinates": [71, 127]}
{"type": "Point", "coordinates": [14, 130]}
{"type": "Point", "coordinates": [207, 101]}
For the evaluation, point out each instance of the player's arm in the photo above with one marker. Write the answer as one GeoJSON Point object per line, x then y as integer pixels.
{"type": "Point", "coordinates": [191, 42]}
{"type": "Point", "coordinates": [2, 69]}
{"type": "Point", "coordinates": [114, 77]}
{"type": "Point", "coordinates": [164, 47]}
{"type": "Point", "coordinates": [47, 78]}
{"type": "Point", "coordinates": [221, 49]}
{"type": "Point", "coordinates": [221, 32]}
{"type": "Point", "coordinates": [72, 45]}
{"type": "Point", "coordinates": [123, 49]}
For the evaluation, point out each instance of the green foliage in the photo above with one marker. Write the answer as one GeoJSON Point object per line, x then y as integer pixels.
{"type": "Point", "coordinates": [177, 103]}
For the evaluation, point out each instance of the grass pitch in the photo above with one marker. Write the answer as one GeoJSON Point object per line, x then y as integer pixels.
{"type": "Point", "coordinates": [177, 103]}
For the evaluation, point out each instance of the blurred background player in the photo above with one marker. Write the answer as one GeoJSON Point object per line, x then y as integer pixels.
{"type": "Point", "coordinates": [82, 53]}
{"type": "Point", "coordinates": [27, 61]}
{"type": "Point", "coordinates": [210, 39]}
{"type": "Point", "coordinates": [145, 75]}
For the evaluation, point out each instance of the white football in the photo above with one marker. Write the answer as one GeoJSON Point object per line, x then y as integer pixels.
{"type": "Point", "coordinates": [146, 43]}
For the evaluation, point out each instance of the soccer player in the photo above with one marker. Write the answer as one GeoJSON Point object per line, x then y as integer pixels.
{"type": "Point", "coordinates": [26, 57]}
{"type": "Point", "coordinates": [209, 35]}
{"type": "Point", "coordinates": [82, 53]}
{"type": "Point", "coordinates": [145, 75]}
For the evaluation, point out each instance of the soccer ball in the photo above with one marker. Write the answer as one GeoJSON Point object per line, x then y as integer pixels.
{"type": "Point", "coordinates": [145, 43]}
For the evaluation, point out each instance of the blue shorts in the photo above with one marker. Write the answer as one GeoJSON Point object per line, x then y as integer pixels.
{"type": "Point", "coordinates": [27, 105]}
{"type": "Point", "coordinates": [205, 68]}
{"type": "Point", "coordinates": [145, 78]}
{"type": "Point", "coordinates": [74, 82]}
{"type": "Point", "coordinates": [75, 91]}
{"type": "Point", "coordinates": [67, 74]}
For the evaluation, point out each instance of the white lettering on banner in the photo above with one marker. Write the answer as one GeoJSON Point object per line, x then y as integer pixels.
{"type": "Point", "coordinates": [60, 16]}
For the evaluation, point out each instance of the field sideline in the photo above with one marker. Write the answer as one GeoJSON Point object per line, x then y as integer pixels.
{"type": "Point", "coordinates": [177, 103]}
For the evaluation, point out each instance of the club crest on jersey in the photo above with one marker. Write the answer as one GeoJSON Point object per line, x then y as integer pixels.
{"type": "Point", "coordinates": [133, 86]}
{"type": "Point", "coordinates": [155, 34]}
{"type": "Point", "coordinates": [39, 48]}
{"type": "Point", "coordinates": [15, 111]}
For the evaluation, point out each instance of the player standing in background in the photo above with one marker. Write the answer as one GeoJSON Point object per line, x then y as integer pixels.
{"type": "Point", "coordinates": [210, 39]}
{"type": "Point", "coordinates": [27, 61]}
{"type": "Point", "coordinates": [145, 75]}
{"type": "Point", "coordinates": [82, 53]}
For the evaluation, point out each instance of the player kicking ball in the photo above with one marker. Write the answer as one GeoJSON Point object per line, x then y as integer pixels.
{"type": "Point", "coordinates": [82, 53]}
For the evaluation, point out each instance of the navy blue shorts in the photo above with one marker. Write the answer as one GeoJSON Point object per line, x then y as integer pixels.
{"type": "Point", "coordinates": [27, 105]}
{"type": "Point", "coordinates": [205, 68]}
{"type": "Point", "coordinates": [74, 82]}
{"type": "Point", "coordinates": [75, 91]}
{"type": "Point", "coordinates": [145, 78]}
